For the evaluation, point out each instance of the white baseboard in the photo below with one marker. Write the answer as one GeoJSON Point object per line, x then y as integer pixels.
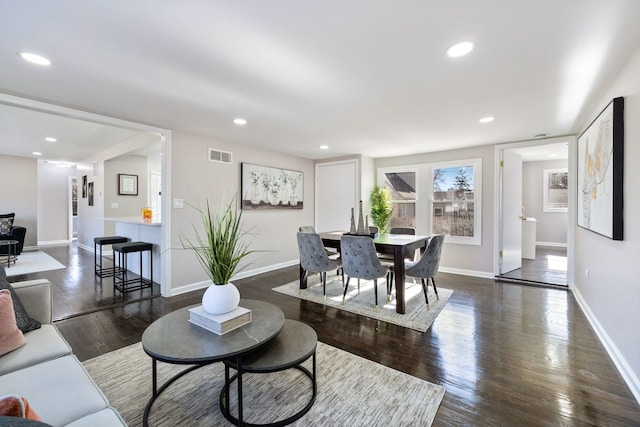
{"type": "Point", "coordinates": [241, 275]}
{"type": "Point", "coordinates": [618, 359]}
{"type": "Point", "coordinates": [463, 272]}
{"type": "Point", "coordinates": [54, 243]}
{"type": "Point", "coordinates": [552, 244]}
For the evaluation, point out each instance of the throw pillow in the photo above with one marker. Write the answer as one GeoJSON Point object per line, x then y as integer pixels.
{"type": "Point", "coordinates": [24, 321]}
{"type": "Point", "coordinates": [6, 222]}
{"type": "Point", "coordinates": [10, 336]}
{"type": "Point", "coordinates": [13, 405]}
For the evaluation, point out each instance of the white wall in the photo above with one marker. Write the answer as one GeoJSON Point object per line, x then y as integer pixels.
{"type": "Point", "coordinates": [18, 177]}
{"type": "Point", "coordinates": [463, 259]}
{"type": "Point", "coordinates": [127, 205]}
{"type": "Point", "coordinates": [551, 227]}
{"type": "Point", "coordinates": [194, 178]}
{"type": "Point", "coordinates": [611, 291]}
{"type": "Point", "coordinates": [53, 203]}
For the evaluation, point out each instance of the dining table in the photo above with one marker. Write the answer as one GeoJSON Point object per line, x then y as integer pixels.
{"type": "Point", "coordinates": [400, 246]}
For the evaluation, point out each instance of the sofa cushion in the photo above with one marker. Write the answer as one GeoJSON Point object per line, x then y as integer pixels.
{"type": "Point", "coordinates": [11, 337]}
{"type": "Point", "coordinates": [24, 321]}
{"type": "Point", "coordinates": [60, 390]}
{"type": "Point", "coordinates": [43, 344]}
{"type": "Point", "coordinates": [6, 222]}
{"type": "Point", "coordinates": [106, 418]}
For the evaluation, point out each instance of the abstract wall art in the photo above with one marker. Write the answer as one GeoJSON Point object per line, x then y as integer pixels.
{"type": "Point", "coordinates": [600, 172]}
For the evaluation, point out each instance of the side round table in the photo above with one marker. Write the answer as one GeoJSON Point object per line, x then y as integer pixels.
{"type": "Point", "coordinates": [295, 344]}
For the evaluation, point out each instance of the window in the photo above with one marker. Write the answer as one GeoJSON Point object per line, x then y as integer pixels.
{"type": "Point", "coordinates": [455, 200]}
{"type": "Point", "coordinates": [401, 183]}
{"type": "Point", "coordinates": [556, 190]}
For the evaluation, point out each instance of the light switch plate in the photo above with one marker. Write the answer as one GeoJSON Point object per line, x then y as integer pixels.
{"type": "Point", "coordinates": [178, 203]}
{"type": "Point", "coordinates": [114, 205]}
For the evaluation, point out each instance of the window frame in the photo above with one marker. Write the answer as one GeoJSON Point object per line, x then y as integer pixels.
{"type": "Point", "coordinates": [545, 191]}
{"type": "Point", "coordinates": [476, 163]}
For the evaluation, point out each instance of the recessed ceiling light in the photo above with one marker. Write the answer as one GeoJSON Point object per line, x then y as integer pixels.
{"type": "Point", "coordinates": [35, 58]}
{"type": "Point", "coordinates": [240, 121]}
{"type": "Point", "coordinates": [460, 49]}
{"type": "Point", "coordinates": [37, 153]}
{"type": "Point", "coordinates": [324, 147]}
{"type": "Point", "coordinates": [488, 119]}
{"type": "Point", "coordinates": [50, 139]}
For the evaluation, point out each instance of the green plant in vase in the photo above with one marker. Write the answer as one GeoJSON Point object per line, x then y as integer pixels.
{"type": "Point", "coordinates": [220, 249]}
{"type": "Point", "coordinates": [381, 208]}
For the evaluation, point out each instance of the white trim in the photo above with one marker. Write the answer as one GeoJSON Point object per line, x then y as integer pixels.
{"type": "Point", "coordinates": [463, 272]}
{"type": "Point", "coordinates": [53, 243]}
{"type": "Point", "coordinates": [552, 244]}
{"type": "Point", "coordinates": [476, 163]}
{"type": "Point", "coordinates": [616, 356]}
{"type": "Point", "coordinates": [244, 274]}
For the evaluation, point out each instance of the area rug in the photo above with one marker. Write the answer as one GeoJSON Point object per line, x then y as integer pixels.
{"type": "Point", "coordinates": [352, 391]}
{"type": "Point", "coordinates": [416, 314]}
{"type": "Point", "coordinates": [32, 262]}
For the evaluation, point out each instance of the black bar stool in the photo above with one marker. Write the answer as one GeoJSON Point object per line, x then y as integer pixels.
{"type": "Point", "coordinates": [121, 281]}
{"type": "Point", "coordinates": [100, 241]}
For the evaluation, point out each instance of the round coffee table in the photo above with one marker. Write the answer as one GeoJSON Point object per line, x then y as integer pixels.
{"type": "Point", "coordinates": [173, 339]}
{"type": "Point", "coordinates": [11, 250]}
{"type": "Point", "coordinates": [295, 344]}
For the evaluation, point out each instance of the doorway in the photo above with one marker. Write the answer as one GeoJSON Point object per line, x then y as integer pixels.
{"type": "Point", "coordinates": [73, 208]}
{"type": "Point", "coordinates": [534, 205]}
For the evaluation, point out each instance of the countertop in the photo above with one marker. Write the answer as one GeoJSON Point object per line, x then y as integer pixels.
{"type": "Point", "coordinates": [154, 221]}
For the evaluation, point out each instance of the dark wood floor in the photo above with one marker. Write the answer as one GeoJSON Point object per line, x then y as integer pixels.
{"type": "Point", "coordinates": [508, 355]}
{"type": "Point", "coordinates": [549, 267]}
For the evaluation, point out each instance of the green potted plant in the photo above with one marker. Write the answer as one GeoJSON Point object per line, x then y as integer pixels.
{"type": "Point", "coordinates": [219, 249]}
{"type": "Point", "coordinates": [381, 208]}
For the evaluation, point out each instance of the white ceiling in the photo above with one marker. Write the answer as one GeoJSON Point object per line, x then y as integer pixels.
{"type": "Point", "coordinates": [362, 76]}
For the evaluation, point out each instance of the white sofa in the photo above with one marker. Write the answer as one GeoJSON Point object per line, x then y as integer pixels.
{"type": "Point", "coordinates": [48, 375]}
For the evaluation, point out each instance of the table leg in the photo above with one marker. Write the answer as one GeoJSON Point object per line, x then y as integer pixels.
{"type": "Point", "coordinates": [239, 368]}
{"type": "Point", "coordinates": [154, 376]}
{"type": "Point", "coordinates": [398, 266]}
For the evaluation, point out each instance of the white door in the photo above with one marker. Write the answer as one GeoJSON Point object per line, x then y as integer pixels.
{"type": "Point", "coordinates": [511, 211]}
{"type": "Point", "coordinates": [336, 194]}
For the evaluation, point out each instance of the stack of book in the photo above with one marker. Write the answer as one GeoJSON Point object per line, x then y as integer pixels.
{"type": "Point", "coordinates": [220, 323]}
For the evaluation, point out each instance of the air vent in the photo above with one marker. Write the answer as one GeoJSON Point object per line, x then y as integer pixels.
{"type": "Point", "coordinates": [219, 156]}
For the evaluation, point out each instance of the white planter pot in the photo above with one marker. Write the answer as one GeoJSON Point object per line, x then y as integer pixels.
{"type": "Point", "coordinates": [219, 299]}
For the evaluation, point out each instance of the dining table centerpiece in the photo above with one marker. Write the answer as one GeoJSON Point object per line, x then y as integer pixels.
{"type": "Point", "coordinates": [220, 249]}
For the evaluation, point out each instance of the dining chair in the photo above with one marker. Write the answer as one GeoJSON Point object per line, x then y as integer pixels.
{"type": "Point", "coordinates": [307, 229]}
{"type": "Point", "coordinates": [333, 253]}
{"type": "Point", "coordinates": [360, 260]}
{"type": "Point", "coordinates": [314, 258]}
{"type": "Point", "coordinates": [427, 266]}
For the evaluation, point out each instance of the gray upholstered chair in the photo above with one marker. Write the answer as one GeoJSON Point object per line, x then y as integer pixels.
{"type": "Point", "coordinates": [314, 258]}
{"type": "Point", "coordinates": [307, 229]}
{"type": "Point", "coordinates": [403, 230]}
{"type": "Point", "coordinates": [360, 260]}
{"type": "Point", "coordinates": [427, 266]}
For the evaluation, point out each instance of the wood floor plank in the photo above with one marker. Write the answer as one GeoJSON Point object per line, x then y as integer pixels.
{"type": "Point", "coordinates": [507, 354]}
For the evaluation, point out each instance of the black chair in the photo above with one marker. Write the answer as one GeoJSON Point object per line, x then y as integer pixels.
{"type": "Point", "coordinates": [8, 231]}
{"type": "Point", "coordinates": [121, 281]}
{"type": "Point", "coordinates": [101, 241]}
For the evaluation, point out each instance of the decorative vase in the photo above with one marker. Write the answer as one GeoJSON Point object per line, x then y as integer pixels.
{"type": "Point", "coordinates": [255, 195]}
{"type": "Point", "coordinates": [219, 299]}
{"type": "Point", "coordinates": [294, 200]}
{"type": "Point", "coordinates": [274, 198]}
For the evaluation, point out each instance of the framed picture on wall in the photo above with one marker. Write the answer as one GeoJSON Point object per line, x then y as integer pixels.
{"type": "Point", "coordinates": [600, 172]}
{"type": "Point", "coordinates": [90, 193]}
{"type": "Point", "coordinates": [127, 185]}
{"type": "Point", "coordinates": [264, 187]}
{"type": "Point", "coordinates": [84, 186]}
{"type": "Point", "coordinates": [555, 197]}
